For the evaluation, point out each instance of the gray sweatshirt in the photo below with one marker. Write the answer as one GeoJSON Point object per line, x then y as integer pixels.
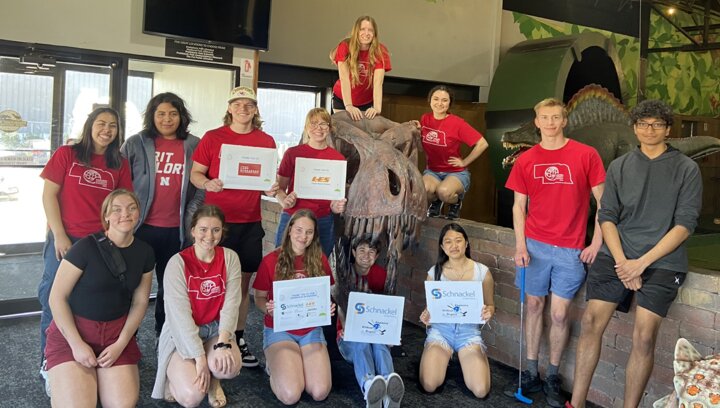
{"type": "Point", "coordinates": [646, 198]}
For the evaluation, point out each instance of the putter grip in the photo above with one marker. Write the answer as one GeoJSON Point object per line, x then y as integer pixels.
{"type": "Point", "coordinates": [522, 281]}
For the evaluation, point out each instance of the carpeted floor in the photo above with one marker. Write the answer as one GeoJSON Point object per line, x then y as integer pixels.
{"type": "Point", "coordinates": [20, 384]}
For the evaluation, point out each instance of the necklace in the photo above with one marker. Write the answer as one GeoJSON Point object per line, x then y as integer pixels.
{"type": "Point", "coordinates": [459, 273]}
{"type": "Point", "coordinates": [205, 266]}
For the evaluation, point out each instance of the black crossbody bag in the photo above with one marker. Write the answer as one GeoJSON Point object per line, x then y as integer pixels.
{"type": "Point", "coordinates": [113, 259]}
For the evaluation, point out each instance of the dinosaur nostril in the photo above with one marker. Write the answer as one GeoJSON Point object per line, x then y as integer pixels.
{"type": "Point", "coordinates": [393, 182]}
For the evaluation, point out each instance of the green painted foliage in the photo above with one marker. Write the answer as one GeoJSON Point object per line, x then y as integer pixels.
{"type": "Point", "coordinates": [690, 81]}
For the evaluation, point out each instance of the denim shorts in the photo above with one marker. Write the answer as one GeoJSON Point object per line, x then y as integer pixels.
{"type": "Point", "coordinates": [271, 337]}
{"type": "Point", "coordinates": [463, 176]}
{"type": "Point", "coordinates": [210, 330]}
{"type": "Point", "coordinates": [552, 269]}
{"type": "Point", "coordinates": [454, 337]}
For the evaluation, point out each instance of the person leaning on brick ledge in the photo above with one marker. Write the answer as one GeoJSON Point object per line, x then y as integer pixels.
{"type": "Point", "coordinates": [650, 206]}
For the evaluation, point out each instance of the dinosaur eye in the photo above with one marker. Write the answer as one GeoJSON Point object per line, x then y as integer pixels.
{"type": "Point", "coordinates": [393, 182]}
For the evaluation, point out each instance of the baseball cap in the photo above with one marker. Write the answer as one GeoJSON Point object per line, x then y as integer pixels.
{"type": "Point", "coordinates": [242, 92]}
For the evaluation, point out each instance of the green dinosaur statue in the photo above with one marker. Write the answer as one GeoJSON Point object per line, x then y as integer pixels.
{"type": "Point", "coordinates": [598, 119]}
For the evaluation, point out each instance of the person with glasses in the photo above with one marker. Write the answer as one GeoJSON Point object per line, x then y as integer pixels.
{"type": "Point", "coordinates": [314, 146]}
{"type": "Point", "coordinates": [241, 126]}
{"type": "Point", "coordinates": [650, 206]}
{"type": "Point", "coordinates": [362, 62]}
{"type": "Point", "coordinates": [552, 184]}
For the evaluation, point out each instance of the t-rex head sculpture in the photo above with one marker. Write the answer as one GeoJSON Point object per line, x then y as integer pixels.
{"type": "Point", "coordinates": [386, 193]}
{"type": "Point", "coordinates": [696, 381]}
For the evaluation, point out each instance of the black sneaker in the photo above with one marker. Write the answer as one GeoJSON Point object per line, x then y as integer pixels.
{"type": "Point", "coordinates": [248, 360]}
{"type": "Point", "coordinates": [530, 384]}
{"type": "Point", "coordinates": [435, 208]}
{"type": "Point", "coordinates": [454, 211]}
{"type": "Point", "coordinates": [552, 391]}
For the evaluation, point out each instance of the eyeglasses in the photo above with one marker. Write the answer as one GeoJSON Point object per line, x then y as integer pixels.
{"type": "Point", "coordinates": [654, 125]}
{"type": "Point", "coordinates": [321, 125]}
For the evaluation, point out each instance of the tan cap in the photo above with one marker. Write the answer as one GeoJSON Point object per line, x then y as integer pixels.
{"type": "Point", "coordinates": [242, 92]}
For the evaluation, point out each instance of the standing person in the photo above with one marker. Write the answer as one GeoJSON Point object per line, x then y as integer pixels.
{"type": "Point", "coordinates": [362, 62]}
{"type": "Point", "coordinates": [552, 182]}
{"type": "Point", "coordinates": [203, 298]}
{"type": "Point", "coordinates": [77, 180]}
{"type": "Point", "coordinates": [314, 146]}
{"type": "Point", "coordinates": [98, 300]}
{"type": "Point", "coordinates": [242, 126]}
{"type": "Point", "coordinates": [160, 159]}
{"type": "Point", "coordinates": [372, 363]}
{"type": "Point", "coordinates": [446, 176]}
{"type": "Point", "coordinates": [454, 264]}
{"type": "Point", "coordinates": [650, 206]}
{"type": "Point", "coordinates": [297, 360]}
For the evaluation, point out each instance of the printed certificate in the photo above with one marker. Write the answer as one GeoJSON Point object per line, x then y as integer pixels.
{"type": "Point", "coordinates": [454, 301]}
{"type": "Point", "coordinates": [374, 318]}
{"type": "Point", "coordinates": [248, 168]}
{"type": "Point", "coordinates": [301, 303]}
{"type": "Point", "coordinates": [320, 179]}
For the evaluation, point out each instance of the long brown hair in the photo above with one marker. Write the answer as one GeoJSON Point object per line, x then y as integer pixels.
{"type": "Point", "coordinates": [312, 260]}
{"type": "Point", "coordinates": [85, 148]}
{"type": "Point", "coordinates": [374, 52]}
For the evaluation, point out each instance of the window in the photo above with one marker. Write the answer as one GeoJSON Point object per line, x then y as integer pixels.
{"type": "Point", "coordinates": [283, 113]}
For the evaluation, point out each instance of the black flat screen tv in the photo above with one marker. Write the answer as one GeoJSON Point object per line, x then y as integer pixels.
{"type": "Point", "coordinates": [240, 23]}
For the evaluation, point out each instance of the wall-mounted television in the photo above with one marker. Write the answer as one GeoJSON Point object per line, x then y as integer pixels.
{"type": "Point", "coordinates": [240, 23]}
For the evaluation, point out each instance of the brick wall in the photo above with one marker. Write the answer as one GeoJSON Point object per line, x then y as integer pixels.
{"type": "Point", "coordinates": [695, 314]}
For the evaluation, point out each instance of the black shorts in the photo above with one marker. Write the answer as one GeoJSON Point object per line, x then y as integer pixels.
{"type": "Point", "coordinates": [658, 291]}
{"type": "Point", "coordinates": [246, 240]}
{"type": "Point", "coordinates": [338, 104]}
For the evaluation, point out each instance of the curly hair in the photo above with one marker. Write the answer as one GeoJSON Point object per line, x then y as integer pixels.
{"type": "Point", "coordinates": [177, 103]}
{"type": "Point", "coordinates": [312, 259]}
{"type": "Point", "coordinates": [652, 108]}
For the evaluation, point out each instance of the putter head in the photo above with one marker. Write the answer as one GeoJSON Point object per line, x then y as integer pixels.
{"type": "Point", "coordinates": [520, 397]}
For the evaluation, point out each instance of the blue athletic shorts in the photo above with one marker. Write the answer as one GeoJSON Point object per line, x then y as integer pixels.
{"type": "Point", "coordinates": [552, 269]}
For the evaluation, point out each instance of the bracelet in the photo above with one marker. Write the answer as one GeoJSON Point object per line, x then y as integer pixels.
{"type": "Point", "coordinates": [222, 346]}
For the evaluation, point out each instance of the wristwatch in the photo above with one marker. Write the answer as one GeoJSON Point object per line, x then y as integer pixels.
{"type": "Point", "coordinates": [222, 345]}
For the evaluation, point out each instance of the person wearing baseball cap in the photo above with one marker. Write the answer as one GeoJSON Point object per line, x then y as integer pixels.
{"type": "Point", "coordinates": [241, 126]}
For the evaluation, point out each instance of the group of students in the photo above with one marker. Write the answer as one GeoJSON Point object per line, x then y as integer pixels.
{"type": "Point", "coordinates": [95, 286]}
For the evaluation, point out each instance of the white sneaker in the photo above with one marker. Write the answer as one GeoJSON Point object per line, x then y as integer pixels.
{"type": "Point", "coordinates": [374, 391]}
{"type": "Point", "coordinates": [44, 375]}
{"type": "Point", "coordinates": [248, 360]}
{"type": "Point", "coordinates": [395, 389]}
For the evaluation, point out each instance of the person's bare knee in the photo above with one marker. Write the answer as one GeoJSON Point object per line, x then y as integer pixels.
{"type": "Point", "coordinates": [288, 395]}
{"type": "Point", "coordinates": [188, 398]}
{"type": "Point", "coordinates": [480, 390]}
{"type": "Point", "coordinates": [535, 305]}
{"type": "Point", "coordinates": [559, 317]}
{"type": "Point", "coordinates": [318, 392]}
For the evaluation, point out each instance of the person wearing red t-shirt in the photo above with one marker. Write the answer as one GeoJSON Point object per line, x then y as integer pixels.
{"type": "Point", "coordinates": [296, 360]}
{"type": "Point", "coordinates": [372, 363]}
{"type": "Point", "coordinates": [552, 183]}
{"type": "Point", "coordinates": [195, 350]}
{"type": "Point", "coordinates": [77, 180]}
{"type": "Point", "coordinates": [446, 176]}
{"type": "Point", "coordinates": [242, 126]}
{"type": "Point", "coordinates": [160, 158]}
{"type": "Point", "coordinates": [314, 146]}
{"type": "Point", "coordinates": [362, 62]}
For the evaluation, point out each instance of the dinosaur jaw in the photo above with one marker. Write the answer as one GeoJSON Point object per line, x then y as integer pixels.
{"type": "Point", "coordinates": [509, 161]}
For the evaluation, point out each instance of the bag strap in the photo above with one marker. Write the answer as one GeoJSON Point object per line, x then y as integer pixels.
{"type": "Point", "coordinates": [112, 257]}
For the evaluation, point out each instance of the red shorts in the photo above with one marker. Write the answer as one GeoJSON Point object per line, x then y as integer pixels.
{"type": "Point", "coordinates": [98, 335]}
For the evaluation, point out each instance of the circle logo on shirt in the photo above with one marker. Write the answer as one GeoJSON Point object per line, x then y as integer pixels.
{"type": "Point", "coordinates": [551, 173]}
{"type": "Point", "coordinates": [208, 288]}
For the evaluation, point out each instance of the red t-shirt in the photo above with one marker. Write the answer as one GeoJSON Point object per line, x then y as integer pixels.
{"type": "Point", "coordinates": [375, 277]}
{"type": "Point", "coordinates": [320, 208]}
{"type": "Point", "coordinates": [558, 184]}
{"type": "Point", "coordinates": [205, 284]}
{"type": "Point", "coordinates": [362, 93]}
{"type": "Point", "coordinates": [83, 189]}
{"type": "Point", "coordinates": [441, 140]}
{"type": "Point", "coordinates": [266, 276]}
{"type": "Point", "coordinates": [239, 206]}
{"type": "Point", "coordinates": [169, 170]}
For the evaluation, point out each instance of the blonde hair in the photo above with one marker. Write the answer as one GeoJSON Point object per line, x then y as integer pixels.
{"type": "Point", "coordinates": [312, 260]}
{"type": "Point", "coordinates": [374, 52]}
{"type": "Point", "coordinates": [256, 120]}
{"type": "Point", "coordinates": [107, 203]}
{"type": "Point", "coordinates": [551, 103]}
{"type": "Point", "coordinates": [320, 113]}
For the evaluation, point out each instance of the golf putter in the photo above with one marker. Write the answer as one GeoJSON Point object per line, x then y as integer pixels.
{"type": "Point", "coordinates": [518, 394]}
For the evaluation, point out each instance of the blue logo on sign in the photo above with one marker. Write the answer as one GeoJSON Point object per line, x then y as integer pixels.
{"type": "Point", "coordinates": [360, 308]}
{"type": "Point", "coordinates": [436, 293]}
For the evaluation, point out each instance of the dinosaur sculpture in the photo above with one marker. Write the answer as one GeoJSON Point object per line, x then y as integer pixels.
{"type": "Point", "coordinates": [386, 195]}
{"type": "Point", "coordinates": [598, 119]}
{"type": "Point", "coordinates": [697, 379]}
